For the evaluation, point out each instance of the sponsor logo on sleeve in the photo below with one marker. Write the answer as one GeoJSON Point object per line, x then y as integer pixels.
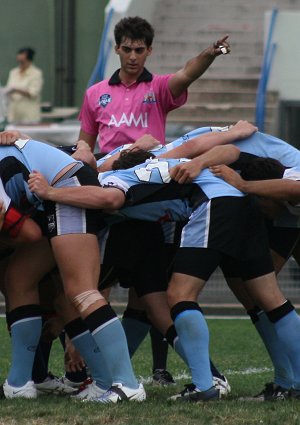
{"type": "Point", "coordinates": [149, 97]}
{"type": "Point", "coordinates": [104, 100]}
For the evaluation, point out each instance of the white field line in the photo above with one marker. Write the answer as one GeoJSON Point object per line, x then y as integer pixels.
{"type": "Point", "coordinates": [186, 376]}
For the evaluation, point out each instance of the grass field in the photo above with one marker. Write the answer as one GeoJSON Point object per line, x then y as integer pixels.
{"type": "Point", "coordinates": [235, 348]}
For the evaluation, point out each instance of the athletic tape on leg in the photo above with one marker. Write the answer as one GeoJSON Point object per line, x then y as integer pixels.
{"type": "Point", "coordinates": [84, 300]}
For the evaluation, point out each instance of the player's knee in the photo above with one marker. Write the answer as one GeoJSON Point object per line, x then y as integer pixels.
{"type": "Point", "coordinates": [172, 296]}
{"type": "Point", "coordinates": [179, 291]}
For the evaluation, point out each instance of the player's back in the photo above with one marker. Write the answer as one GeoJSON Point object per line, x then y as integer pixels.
{"type": "Point", "coordinates": [38, 156]}
{"type": "Point", "coordinates": [268, 146]}
{"type": "Point", "coordinates": [151, 196]}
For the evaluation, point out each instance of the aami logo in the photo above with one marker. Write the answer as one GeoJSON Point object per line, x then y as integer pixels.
{"type": "Point", "coordinates": [131, 120]}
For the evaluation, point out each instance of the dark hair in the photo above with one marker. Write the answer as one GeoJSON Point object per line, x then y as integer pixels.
{"type": "Point", "coordinates": [134, 28]}
{"type": "Point", "coordinates": [263, 169]}
{"type": "Point", "coordinates": [29, 52]}
{"type": "Point", "coordinates": [130, 158]}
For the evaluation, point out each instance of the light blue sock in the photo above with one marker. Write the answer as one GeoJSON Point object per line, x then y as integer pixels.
{"type": "Point", "coordinates": [288, 330]}
{"type": "Point", "coordinates": [193, 333]}
{"type": "Point", "coordinates": [86, 346]}
{"type": "Point", "coordinates": [25, 336]}
{"type": "Point", "coordinates": [111, 340]}
{"type": "Point", "coordinates": [283, 373]}
{"type": "Point", "coordinates": [135, 331]}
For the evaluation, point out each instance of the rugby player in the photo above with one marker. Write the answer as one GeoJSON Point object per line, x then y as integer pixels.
{"type": "Point", "coordinates": [221, 203]}
{"type": "Point", "coordinates": [69, 229]}
{"type": "Point", "coordinates": [283, 234]}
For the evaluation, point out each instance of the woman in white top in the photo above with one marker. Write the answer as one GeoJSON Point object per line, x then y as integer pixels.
{"type": "Point", "coordinates": [24, 89]}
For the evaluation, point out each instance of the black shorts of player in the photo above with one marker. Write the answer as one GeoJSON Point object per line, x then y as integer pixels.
{"type": "Point", "coordinates": [282, 240]}
{"type": "Point", "coordinates": [41, 219]}
{"type": "Point", "coordinates": [237, 235]}
{"type": "Point", "coordinates": [135, 256]}
{"type": "Point", "coordinates": [171, 248]}
{"type": "Point", "coordinates": [65, 219]}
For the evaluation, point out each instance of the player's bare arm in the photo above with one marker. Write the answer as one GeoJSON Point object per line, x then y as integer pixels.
{"type": "Point", "coordinates": [187, 171]}
{"type": "Point", "coordinates": [203, 143]}
{"type": "Point", "coordinates": [279, 189]}
{"type": "Point", "coordinates": [90, 139]}
{"type": "Point", "coordinates": [92, 197]}
{"type": "Point", "coordinates": [84, 153]}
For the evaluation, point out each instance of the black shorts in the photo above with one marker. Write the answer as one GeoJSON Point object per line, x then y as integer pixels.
{"type": "Point", "coordinates": [135, 255]}
{"type": "Point", "coordinates": [202, 262]}
{"type": "Point", "coordinates": [282, 240]}
{"type": "Point", "coordinates": [231, 230]}
{"type": "Point", "coordinates": [65, 219]}
{"type": "Point", "coordinates": [231, 225]}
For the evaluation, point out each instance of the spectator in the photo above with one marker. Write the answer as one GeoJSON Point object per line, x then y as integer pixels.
{"type": "Point", "coordinates": [24, 89]}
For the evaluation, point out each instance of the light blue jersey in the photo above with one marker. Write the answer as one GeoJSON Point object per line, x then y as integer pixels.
{"type": "Point", "coordinates": [39, 156]}
{"type": "Point", "coordinates": [268, 146]}
{"type": "Point", "coordinates": [169, 201]}
{"type": "Point", "coordinates": [25, 156]}
{"type": "Point", "coordinates": [160, 149]}
{"type": "Point", "coordinates": [259, 144]}
{"type": "Point", "coordinates": [189, 136]}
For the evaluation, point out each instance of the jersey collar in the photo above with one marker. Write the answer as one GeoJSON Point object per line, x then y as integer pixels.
{"type": "Point", "coordinates": [145, 77]}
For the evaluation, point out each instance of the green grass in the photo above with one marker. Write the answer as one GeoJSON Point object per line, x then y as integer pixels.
{"type": "Point", "coordinates": [235, 348]}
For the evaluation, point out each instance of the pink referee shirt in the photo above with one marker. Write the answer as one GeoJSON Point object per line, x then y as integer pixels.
{"type": "Point", "coordinates": [121, 114]}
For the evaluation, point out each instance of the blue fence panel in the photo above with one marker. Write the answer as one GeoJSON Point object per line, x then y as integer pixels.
{"type": "Point", "coordinates": [269, 52]}
{"type": "Point", "coordinates": [105, 46]}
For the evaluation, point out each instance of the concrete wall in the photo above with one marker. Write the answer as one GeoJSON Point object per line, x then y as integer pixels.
{"type": "Point", "coordinates": [89, 24]}
{"type": "Point", "coordinates": [31, 23]}
{"type": "Point", "coordinates": [285, 72]}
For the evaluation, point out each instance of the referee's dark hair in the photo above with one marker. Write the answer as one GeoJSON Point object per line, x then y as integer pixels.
{"type": "Point", "coordinates": [134, 28]}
